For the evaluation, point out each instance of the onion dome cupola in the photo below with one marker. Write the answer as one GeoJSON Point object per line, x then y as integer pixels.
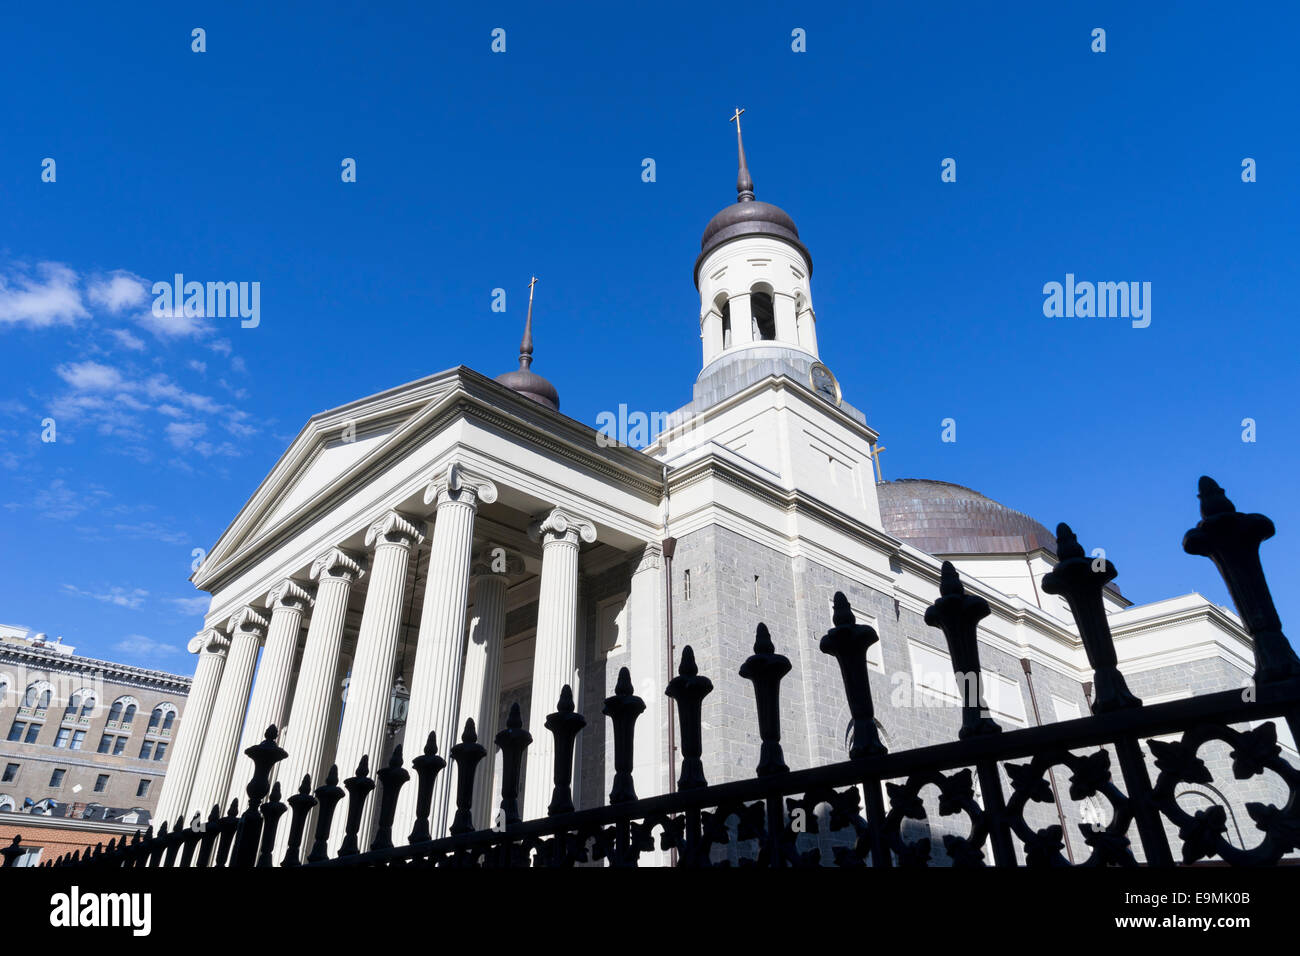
{"type": "Point", "coordinates": [753, 275]}
{"type": "Point", "coordinates": [523, 379]}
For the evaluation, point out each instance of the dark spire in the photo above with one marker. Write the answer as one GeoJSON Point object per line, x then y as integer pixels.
{"type": "Point", "coordinates": [523, 379]}
{"type": "Point", "coordinates": [744, 185]}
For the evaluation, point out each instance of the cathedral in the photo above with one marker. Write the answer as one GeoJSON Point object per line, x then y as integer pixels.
{"type": "Point", "coordinates": [445, 549]}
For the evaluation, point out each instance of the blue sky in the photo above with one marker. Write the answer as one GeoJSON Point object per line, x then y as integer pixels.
{"type": "Point", "coordinates": [476, 170]}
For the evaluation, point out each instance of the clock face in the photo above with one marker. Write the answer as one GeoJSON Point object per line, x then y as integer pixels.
{"type": "Point", "coordinates": [824, 384]}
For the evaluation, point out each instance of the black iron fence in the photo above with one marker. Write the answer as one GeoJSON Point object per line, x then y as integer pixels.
{"type": "Point", "coordinates": [867, 809]}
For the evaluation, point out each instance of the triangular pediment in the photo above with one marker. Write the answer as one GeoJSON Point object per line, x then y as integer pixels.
{"type": "Point", "coordinates": [332, 447]}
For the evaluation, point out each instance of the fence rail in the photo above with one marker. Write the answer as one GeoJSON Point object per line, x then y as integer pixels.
{"type": "Point", "coordinates": [867, 807]}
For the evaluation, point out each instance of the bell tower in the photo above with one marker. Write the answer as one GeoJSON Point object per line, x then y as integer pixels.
{"type": "Point", "coordinates": [754, 279]}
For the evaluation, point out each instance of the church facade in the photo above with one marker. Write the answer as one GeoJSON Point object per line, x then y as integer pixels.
{"type": "Point", "coordinates": [437, 552]}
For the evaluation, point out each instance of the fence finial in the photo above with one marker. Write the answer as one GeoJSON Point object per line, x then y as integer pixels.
{"type": "Point", "coordinates": [957, 614]}
{"type": "Point", "coordinates": [359, 786]}
{"type": "Point", "coordinates": [623, 708]}
{"type": "Point", "coordinates": [564, 725]}
{"type": "Point", "coordinates": [391, 780]}
{"type": "Point", "coordinates": [427, 767]}
{"type": "Point", "coordinates": [848, 642]}
{"type": "Point", "coordinates": [466, 756]}
{"type": "Point", "coordinates": [512, 742]}
{"type": "Point", "coordinates": [689, 689]}
{"type": "Point", "coordinates": [300, 804]}
{"type": "Point", "coordinates": [1231, 540]}
{"type": "Point", "coordinates": [764, 669]}
{"type": "Point", "coordinates": [1081, 581]}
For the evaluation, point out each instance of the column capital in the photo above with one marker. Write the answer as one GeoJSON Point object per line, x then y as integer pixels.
{"type": "Point", "coordinates": [496, 560]}
{"type": "Point", "coordinates": [289, 593]}
{"type": "Point", "coordinates": [393, 527]}
{"type": "Point", "coordinates": [210, 640]}
{"type": "Point", "coordinates": [455, 484]}
{"type": "Point", "coordinates": [248, 621]}
{"type": "Point", "coordinates": [336, 563]}
{"type": "Point", "coordinates": [561, 525]}
{"type": "Point", "coordinates": [652, 559]}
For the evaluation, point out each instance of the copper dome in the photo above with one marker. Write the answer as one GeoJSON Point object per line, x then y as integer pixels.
{"type": "Point", "coordinates": [939, 517]}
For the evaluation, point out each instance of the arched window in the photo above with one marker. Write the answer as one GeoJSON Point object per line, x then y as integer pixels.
{"type": "Point", "coordinates": [87, 705]}
{"type": "Point", "coordinates": [74, 705]}
{"type": "Point", "coordinates": [764, 313]}
{"type": "Point", "coordinates": [122, 713]}
{"type": "Point", "coordinates": [115, 712]}
{"type": "Point", "coordinates": [7, 803]}
{"type": "Point", "coordinates": [80, 704]}
{"type": "Point", "coordinates": [162, 719]}
{"type": "Point", "coordinates": [155, 719]}
{"type": "Point", "coordinates": [38, 695]}
{"type": "Point", "coordinates": [129, 715]}
{"type": "Point", "coordinates": [169, 720]}
{"type": "Point", "coordinates": [722, 305]}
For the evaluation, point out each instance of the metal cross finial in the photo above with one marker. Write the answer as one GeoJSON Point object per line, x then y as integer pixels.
{"type": "Point", "coordinates": [526, 346]}
{"type": "Point", "coordinates": [744, 185]}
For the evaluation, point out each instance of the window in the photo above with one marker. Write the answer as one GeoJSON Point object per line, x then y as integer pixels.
{"type": "Point", "coordinates": [78, 738]}
{"type": "Point", "coordinates": [760, 304]}
{"type": "Point", "coordinates": [129, 715]}
{"type": "Point", "coordinates": [74, 705]}
{"type": "Point", "coordinates": [145, 749]}
{"type": "Point", "coordinates": [87, 706]}
{"type": "Point", "coordinates": [101, 783]}
{"type": "Point", "coordinates": [118, 746]}
{"type": "Point", "coordinates": [11, 771]}
{"type": "Point", "coordinates": [44, 702]}
{"type": "Point", "coordinates": [16, 731]}
{"type": "Point", "coordinates": [7, 803]}
{"type": "Point", "coordinates": [56, 778]}
{"type": "Point", "coordinates": [105, 742]}
{"type": "Point", "coordinates": [160, 751]}
{"type": "Point", "coordinates": [155, 720]}
{"type": "Point", "coordinates": [686, 585]}
{"type": "Point", "coordinates": [33, 730]}
{"type": "Point", "coordinates": [143, 789]}
{"type": "Point", "coordinates": [62, 739]}
{"type": "Point", "coordinates": [169, 720]}
{"type": "Point", "coordinates": [726, 325]}
{"type": "Point", "coordinates": [115, 712]}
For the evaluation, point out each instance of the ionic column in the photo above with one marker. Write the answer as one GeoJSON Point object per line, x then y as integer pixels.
{"type": "Point", "coordinates": [270, 702]}
{"type": "Point", "coordinates": [481, 694]}
{"type": "Point", "coordinates": [648, 665]}
{"type": "Point", "coordinates": [174, 800]}
{"type": "Point", "coordinates": [213, 780]}
{"type": "Point", "coordinates": [436, 678]}
{"type": "Point", "coordinates": [555, 652]}
{"type": "Point", "coordinates": [365, 718]}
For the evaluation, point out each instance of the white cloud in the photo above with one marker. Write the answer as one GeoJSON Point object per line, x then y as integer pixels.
{"type": "Point", "coordinates": [59, 502]}
{"type": "Point", "coordinates": [221, 346]}
{"type": "Point", "coordinates": [140, 646]}
{"type": "Point", "coordinates": [173, 325]}
{"type": "Point", "coordinates": [117, 596]}
{"type": "Point", "coordinates": [90, 376]}
{"type": "Point", "coordinates": [120, 291]}
{"type": "Point", "coordinates": [182, 435]}
{"type": "Point", "coordinates": [192, 605]}
{"type": "Point", "coordinates": [51, 297]}
{"type": "Point", "coordinates": [197, 366]}
{"type": "Point", "coordinates": [127, 340]}
{"type": "Point", "coordinates": [237, 364]}
{"type": "Point", "coordinates": [153, 532]}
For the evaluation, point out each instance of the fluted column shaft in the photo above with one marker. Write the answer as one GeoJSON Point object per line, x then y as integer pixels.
{"type": "Point", "coordinates": [270, 701]}
{"type": "Point", "coordinates": [314, 709]}
{"type": "Point", "coordinates": [175, 800]}
{"type": "Point", "coordinates": [436, 678]}
{"type": "Point", "coordinates": [481, 698]}
{"type": "Point", "coordinates": [555, 651]}
{"type": "Point", "coordinates": [365, 718]}
{"type": "Point", "coordinates": [216, 765]}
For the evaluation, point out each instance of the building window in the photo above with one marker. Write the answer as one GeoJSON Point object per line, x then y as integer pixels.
{"type": "Point", "coordinates": [686, 585]}
{"type": "Point", "coordinates": [118, 746]}
{"type": "Point", "coordinates": [7, 803]}
{"type": "Point", "coordinates": [145, 749]}
{"type": "Point", "coordinates": [129, 715]}
{"type": "Point", "coordinates": [78, 738]}
{"type": "Point", "coordinates": [105, 742]}
{"type": "Point", "coordinates": [62, 739]}
{"type": "Point", "coordinates": [11, 771]}
{"type": "Point", "coordinates": [101, 783]}
{"type": "Point", "coordinates": [160, 751]}
{"type": "Point", "coordinates": [155, 720]}
{"type": "Point", "coordinates": [143, 789]}
{"type": "Point", "coordinates": [168, 721]}
{"type": "Point", "coordinates": [56, 778]}
{"type": "Point", "coordinates": [33, 731]}
{"type": "Point", "coordinates": [760, 304]}
{"type": "Point", "coordinates": [115, 712]}
{"type": "Point", "coordinates": [16, 731]}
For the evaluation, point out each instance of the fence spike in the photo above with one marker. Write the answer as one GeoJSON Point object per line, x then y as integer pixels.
{"type": "Point", "coordinates": [466, 756]}
{"type": "Point", "coordinates": [391, 780]}
{"type": "Point", "coordinates": [1081, 580]}
{"type": "Point", "coordinates": [271, 812]}
{"type": "Point", "coordinates": [512, 742]}
{"type": "Point", "coordinates": [13, 851]}
{"type": "Point", "coordinates": [265, 755]}
{"type": "Point", "coordinates": [689, 689]}
{"type": "Point", "coordinates": [623, 709]}
{"type": "Point", "coordinates": [1231, 540]}
{"type": "Point", "coordinates": [564, 724]}
{"type": "Point", "coordinates": [300, 804]}
{"type": "Point", "coordinates": [360, 785]}
{"type": "Point", "coordinates": [427, 767]}
{"type": "Point", "coordinates": [958, 614]}
{"type": "Point", "coordinates": [847, 641]}
{"type": "Point", "coordinates": [765, 669]}
{"type": "Point", "coordinates": [327, 797]}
